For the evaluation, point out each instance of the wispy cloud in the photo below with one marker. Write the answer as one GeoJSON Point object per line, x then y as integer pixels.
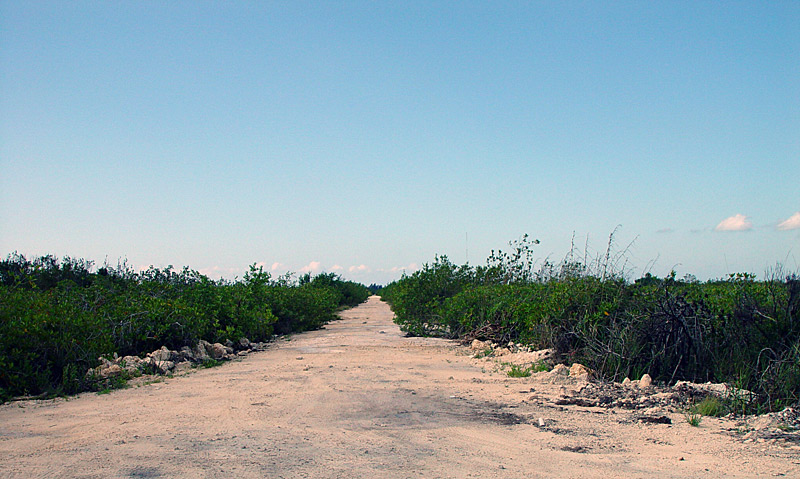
{"type": "Point", "coordinates": [735, 223]}
{"type": "Point", "coordinates": [336, 267]}
{"type": "Point", "coordinates": [791, 223]}
{"type": "Point", "coordinates": [665, 230]}
{"type": "Point", "coordinates": [361, 267]}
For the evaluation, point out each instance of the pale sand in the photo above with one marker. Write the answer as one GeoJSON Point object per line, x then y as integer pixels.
{"type": "Point", "coordinates": [358, 399]}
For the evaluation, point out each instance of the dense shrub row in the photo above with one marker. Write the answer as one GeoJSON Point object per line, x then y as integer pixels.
{"type": "Point", "coordinates": [58, 316]}
{"type": "Point", "coordinates": [738, 330]}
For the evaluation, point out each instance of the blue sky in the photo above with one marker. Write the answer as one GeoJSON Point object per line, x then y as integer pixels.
{"type": "Point", "coordinates": [365, 137]}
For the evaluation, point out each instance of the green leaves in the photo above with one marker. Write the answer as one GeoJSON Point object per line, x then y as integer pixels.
{"type": "Point", "coordinates": [57, 317]}
{"type": "Point", "coordinates": [736, 330]}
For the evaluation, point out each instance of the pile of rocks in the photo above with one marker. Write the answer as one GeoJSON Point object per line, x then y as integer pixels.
{"type": "Point", "coordinates": [631, 395]}
{"type": "Point", "coordinates": [576, 372]}
{"type": "Point", "coordinates": [490, 348]}
{"type": "Point", "coordinates": [643, 383]}
{"type": "Point", "coordinates": [166, 361]}
{"type": "Point", "coordinates": [644, 394]}
{"type": "Point", "coordinates": [511, 352]}
{"type": "Point", "coordinates": [522, 355]}
{"type": "Point", "coordinates": [776, 426]}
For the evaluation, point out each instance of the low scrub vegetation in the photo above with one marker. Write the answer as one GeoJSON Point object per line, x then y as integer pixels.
{"type": "Point", "coordinates": [517, 371]}
{"type": "Point", "coordinates": [58, 316]}
{"type": "Point", "coordinates": [710, 406]}
{"type": "Point", "coordinates": [736, 330]}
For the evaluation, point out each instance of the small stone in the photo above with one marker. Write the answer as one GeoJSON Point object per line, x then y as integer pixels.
{"type": "Point", "coordinates": [162, 367]}
{"type": "Point", "coordinates": [581, 372]}
{"type": "Point", "coordinates": [162, 354]}
{"type": "Point", "coordinates": [130, 362]}
{"type": "Point", "coordinates": [646, 381]}
{"type": "Point", "coordinates": [187, 354]}
{"type": "Point", "coordinates": [477, 345]}
{"type": "Point", "coordinates": [541, 422]}
{"type": "Point", "coordinates": [560, 370]}
{"type": "Point", "coordinates": [200, 352]}
{"type": "Point", "coordinates": [218, 351]}
{"type": "Point", "coordinates": [111, 371]}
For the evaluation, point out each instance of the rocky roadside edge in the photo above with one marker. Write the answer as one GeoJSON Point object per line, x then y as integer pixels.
{"type": "Point", "coordinates": [647, 401]}
{"type": "Point", "coordinates": [164, 361]}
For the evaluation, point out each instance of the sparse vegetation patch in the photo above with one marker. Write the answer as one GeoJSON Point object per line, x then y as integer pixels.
{"type": "Point", "coordinates": [736, 330]}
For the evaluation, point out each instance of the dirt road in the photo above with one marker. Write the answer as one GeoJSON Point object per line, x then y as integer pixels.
{"type": "Point", "coordinates": [358, 399]}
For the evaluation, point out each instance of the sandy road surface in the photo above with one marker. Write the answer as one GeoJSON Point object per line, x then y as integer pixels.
{"type": "Point", "coordinates": [358, 399]}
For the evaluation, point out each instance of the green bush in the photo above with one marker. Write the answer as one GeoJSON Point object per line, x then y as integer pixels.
{"type": "Point", "coordinates": [58, 317]}
{"type": "Point", "coordinates": [348, 293]}
{"type": "Point", "coordinates": [417, 299]}
{"type": "Point", "coordinates": [737, 330]}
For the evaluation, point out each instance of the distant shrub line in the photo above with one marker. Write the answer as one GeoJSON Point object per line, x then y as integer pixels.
{"type": "Point", "coordinates": [738, 330]}
{"type": "Point", "coordinates": [58, 316]}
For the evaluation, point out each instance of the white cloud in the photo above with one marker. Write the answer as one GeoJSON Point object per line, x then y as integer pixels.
{"type": "Point", "coordinates": [210, 271]}
{"type": "Point", "coordinates": [410, 267]}
{"type": "Point", "coordinates": [278, 266]}
{"type": "Point", "coordinates": [214, 272]}
{"type": "Point", "coordinates": [336, 267]}
{"type": "Point", "coordinates": [361, 267]}
{"type": "Point", "coordinates": [312, 267]}
{"type": "Point", "coordinates": [791, 223]}
{"type": "Point", "coordinates": [735, 223]}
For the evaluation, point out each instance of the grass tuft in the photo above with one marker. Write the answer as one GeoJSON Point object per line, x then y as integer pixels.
{"type": "Point", "coordinates": [519, 371]}
{"type": "Point", "coordinates": [710, 406]}
{"type": "Point", "coordinates": [694, 419]}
